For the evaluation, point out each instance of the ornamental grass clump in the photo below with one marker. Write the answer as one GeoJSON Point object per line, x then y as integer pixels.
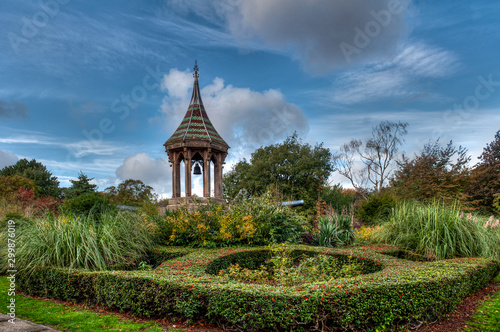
{"type": "Point", "coordinates": [334, 231]}
{"type": "Point", "coordinates": [112, 240]}
{"type": "Point", "coordinates": [440, 231]}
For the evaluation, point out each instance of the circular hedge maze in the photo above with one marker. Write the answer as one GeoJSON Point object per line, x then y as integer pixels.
{"type": "Point", "coordinates": [277, 288]}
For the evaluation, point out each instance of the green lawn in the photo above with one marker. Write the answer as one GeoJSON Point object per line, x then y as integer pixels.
{"type": "Point", "coordinates": [69, 318]}
{"type": "Point", "coordinates": [487, 316]}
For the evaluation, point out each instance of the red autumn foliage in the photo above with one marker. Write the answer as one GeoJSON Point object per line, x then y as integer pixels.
{"type": "Point", "coordinates": [27, 200]}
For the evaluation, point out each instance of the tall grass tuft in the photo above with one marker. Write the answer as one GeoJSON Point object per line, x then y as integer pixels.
{"type": "Point", "coordinates": [440, 231]}
{"type": "Point", "coordinates": [110, 241]}
{"type": "Point", "coordinates": [334, 231]}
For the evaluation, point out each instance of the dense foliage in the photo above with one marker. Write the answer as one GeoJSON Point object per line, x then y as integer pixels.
{"type": "Point", "coordinates": [440, 231]}
{"type": "Point", "coordinates": [341, 200]}
{"type": "Point", "coordinates": [25, 202]}
{"type": "Point", "coordinates": [403, 291]}
{"type": "Point", "coordinates": [91, 203]}
{"type": "Point", "coordinates": [9, 185]}
{"type": "Point", "coordinates": [436, 173]}
{"type": "Point", "coordinates": [484, 187]}
{"type": "Point", "coordinates": [294, 168]}
{"type": "Point", "coordinates": [376, 208]}
{"type": "Point", "coordinates": [256, 220]}
{"type": "Point", "coordinates": [130, 192]}
{"type": "Point", "coordinates": [47, 183]}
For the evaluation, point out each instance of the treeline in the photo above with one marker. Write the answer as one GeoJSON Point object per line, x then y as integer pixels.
{"type": "Point", "coordinates": [28, 188]}
{"type": "Point", "coordinates": [377, 169]}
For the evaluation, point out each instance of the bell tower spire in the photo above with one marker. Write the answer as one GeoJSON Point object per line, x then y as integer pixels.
{"type": "Point", "coordinates": [196, 142]}
{"type": "Point", "coordinates": [195, 70]}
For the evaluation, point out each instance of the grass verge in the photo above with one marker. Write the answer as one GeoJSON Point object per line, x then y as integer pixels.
{"type": "Point", "coordinates": [69, 318]}
{"type": "Point", "coordinates": [487, 316]}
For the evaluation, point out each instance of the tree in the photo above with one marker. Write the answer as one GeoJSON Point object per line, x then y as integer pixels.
{"type": "Point", "coordinates": [130, 192]}
{"type": "Point", "coordinates": [294, 168]}
{"type": "Point", "coordinates": [9, 185]}
{"type": "Point", "coordinates": [485, 177]}
{"type": "Point", "coordinates": [377, 156]}
{"type": "Point", "coordinates": [48, 184]}
{"type": "Point", "coordinates": [81, 186]}
{"type": "Point", "coordinates": [436, 173]}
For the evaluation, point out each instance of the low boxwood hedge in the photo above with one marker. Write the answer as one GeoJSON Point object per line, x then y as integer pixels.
{"type": "Point", "coordinates": [401, 292]}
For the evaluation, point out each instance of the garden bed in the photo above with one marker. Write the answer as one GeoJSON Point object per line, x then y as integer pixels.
{"type": "Point", "coordinates": [400, 292]}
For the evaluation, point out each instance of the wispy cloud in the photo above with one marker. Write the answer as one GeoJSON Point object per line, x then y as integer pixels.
{"type": "Point", "coordinates": [396, 78]}
{"type": "Point", "coordinates": [78, 149]}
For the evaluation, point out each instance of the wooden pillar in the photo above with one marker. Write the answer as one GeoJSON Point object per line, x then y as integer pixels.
{"type": "Point", "coordinates": [206, 174]}
{"type": "Point", "coordinates": [187, 169]}
{"type": "Point", "coordinates": [176, 175]}
{"type": "Point", "coordinates": [173, 175]}
{"type": "Point", "coordinates": [218, 176]}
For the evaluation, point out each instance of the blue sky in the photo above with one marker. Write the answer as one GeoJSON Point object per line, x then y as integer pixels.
{"type": "Point", "coordinates": [100, 86]}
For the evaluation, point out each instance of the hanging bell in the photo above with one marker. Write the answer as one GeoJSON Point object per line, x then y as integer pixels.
{"type": "Point", "coordinates": [197, 169]}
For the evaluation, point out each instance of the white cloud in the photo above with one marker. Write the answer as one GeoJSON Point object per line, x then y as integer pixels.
{"type": "Point", "coordinates": [153, 172]}
{"type": "Point", "coordinates": [7, 158]}
{"type": "Point", "coordinates": [312, 30]}
{"type": "Point", "coordinates": [396, 78]}
{"type": "Point", "coordinates": [246, 119]}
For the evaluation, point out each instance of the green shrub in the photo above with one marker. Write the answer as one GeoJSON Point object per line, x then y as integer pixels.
{"type": "Point", "coordinates": [115, 239]}
{"type": "Point", "coordinates": [85, 204]}
{"type": "Point", "coordinates": [341, 200]}
{"type": "Point", "coordinates": [376, 208]}
{"type": "Point", "coordinates": [440, 231]}
{"type": "Point", "coordinates": [249, 221]}
{"type": "Point", "coordinates": [403, 291]}
{"type": "Point", "coordinates": [334, 231]}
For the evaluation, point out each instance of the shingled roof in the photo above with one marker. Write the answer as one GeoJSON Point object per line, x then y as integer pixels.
{"type": "Point", "coordinates": [196, 125]}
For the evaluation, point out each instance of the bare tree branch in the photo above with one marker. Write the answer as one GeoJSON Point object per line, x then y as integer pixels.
{"type": "Point", "coordinates": [377, 154]}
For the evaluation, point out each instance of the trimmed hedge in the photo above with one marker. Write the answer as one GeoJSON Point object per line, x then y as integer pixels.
{"type": "Point", "coordinates": [403, 291]}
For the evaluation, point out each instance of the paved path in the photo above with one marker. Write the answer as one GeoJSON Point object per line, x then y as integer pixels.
{"type": "Point", "coordinates": [22, 325]}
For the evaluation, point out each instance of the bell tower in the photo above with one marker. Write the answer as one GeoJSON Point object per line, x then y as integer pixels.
{"type": "Point", "coordinates": [198, 145]}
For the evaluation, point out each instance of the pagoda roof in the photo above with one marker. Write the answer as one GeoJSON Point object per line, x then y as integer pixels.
{"type": "Point", "coordinates": [196, 125]}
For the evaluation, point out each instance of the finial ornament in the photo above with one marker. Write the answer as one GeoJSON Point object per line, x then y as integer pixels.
{"type": "Point", "coordinates": [195, 74]}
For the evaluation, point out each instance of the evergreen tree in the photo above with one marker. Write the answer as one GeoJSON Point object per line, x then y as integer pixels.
{"type": "Point", "coordinates": [81, 186]}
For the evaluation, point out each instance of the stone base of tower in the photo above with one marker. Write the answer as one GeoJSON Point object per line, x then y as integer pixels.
{"type": "Point", "coordinates": [191, 203]}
